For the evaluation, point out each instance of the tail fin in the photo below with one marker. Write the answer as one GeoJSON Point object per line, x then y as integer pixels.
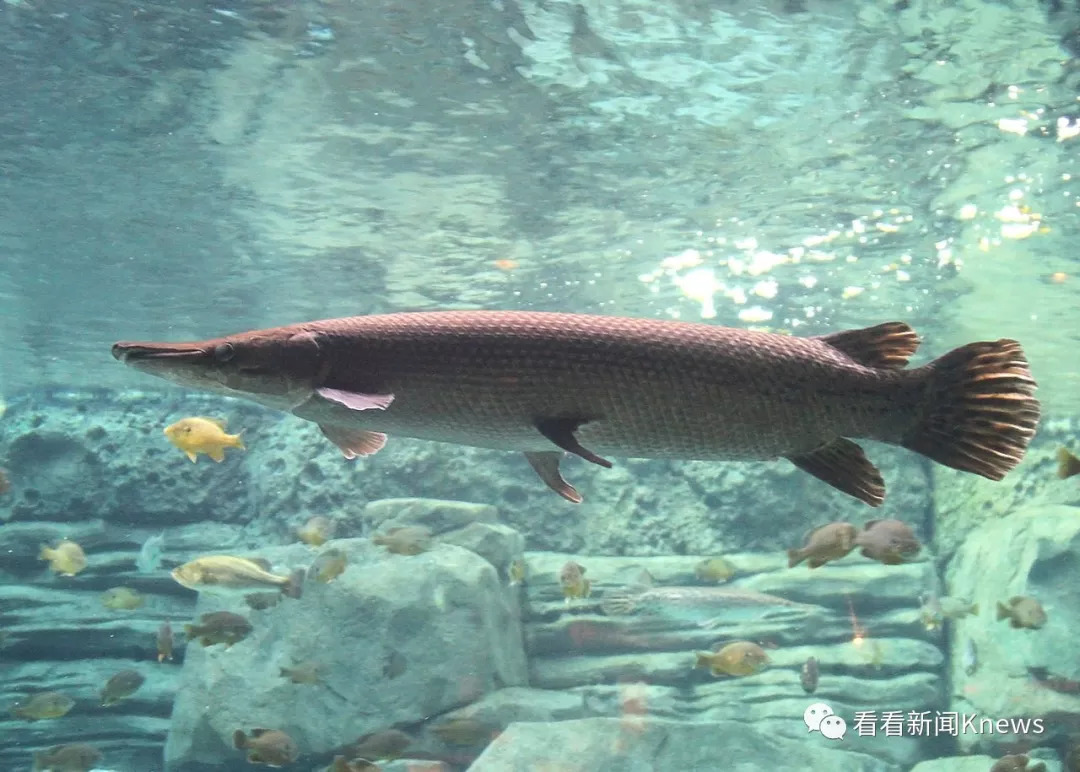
{"type": "Point", "coordinates": [294, 588]}
{"type": "Point", "coordinates": [794, 557]}
{"type": "Point", "coordinates": [618, 603]}
{"type": "Point", "coordinates": [1068, 464]}
{"type": "Point", "coordinates": [979, 412]}
{"type": "Point", "coordinates": [236, 441]}
{"type": "Point", "coordinates": [1003, 611]}
{"type": "Point", "coordinates": [239, 739]}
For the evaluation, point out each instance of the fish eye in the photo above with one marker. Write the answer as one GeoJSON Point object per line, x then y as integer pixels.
{"type": "Point", "coordinates": [224, 352]}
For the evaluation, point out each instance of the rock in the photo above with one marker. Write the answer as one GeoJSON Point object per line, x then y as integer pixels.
{"type": "Point", "coordinates": [1029, 552]}
{"type": "Point", "coordinates": [984, 763]}
{"type": "Point", "coordinates": [438, 515]}
{"type": "Point", "coordinates": [524, 704]}
{"type": "Point", "coordinates": [647, 744]}
{"type": "Point", "coordinates": [893, 664]}
{"type": "Point", "coordinates": [90, 455]}
{"type": "Point", "coordinates": [382, 605]}
{"type": "Point", "coordinates": [498, 544]}
{"type": "Point", "coordinates": [956, 764]}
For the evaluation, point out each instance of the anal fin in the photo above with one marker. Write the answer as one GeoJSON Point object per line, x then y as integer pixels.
{"type": "Point", "coordinates": [354, 442]}
{"type": "Point", "coordinates": [561, 432]}
{"type": "Point", "coordinates": [546, 465]}
{"type": "Point", "coordinates": [843, 465]}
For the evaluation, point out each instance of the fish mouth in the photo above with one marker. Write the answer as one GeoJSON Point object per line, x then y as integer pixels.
{"type": "Point", "coordinates": [136, 353]}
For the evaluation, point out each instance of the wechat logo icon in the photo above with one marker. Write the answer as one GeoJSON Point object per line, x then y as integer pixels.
{"type": "Point", "coordinates": [819, 717]}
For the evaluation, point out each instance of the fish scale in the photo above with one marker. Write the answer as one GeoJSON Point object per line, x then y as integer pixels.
{"type": "Point", "coordinates": [543, 383]}
{"type": "Point", "coordinates": [643, 385]}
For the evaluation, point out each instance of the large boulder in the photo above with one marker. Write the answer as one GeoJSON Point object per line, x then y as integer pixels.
{"type": "Point", "coordinates": [860, 621]}
{"type": "Point", "coordinates": [639, 744]}
{"type": "Point", "coordinates": [443, 617]}
{"type": "Point", "coordinates": [1033, 551]}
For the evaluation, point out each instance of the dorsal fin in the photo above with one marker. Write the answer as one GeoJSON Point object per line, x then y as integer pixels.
{"type": "Point", "coordinates": [887, 346]}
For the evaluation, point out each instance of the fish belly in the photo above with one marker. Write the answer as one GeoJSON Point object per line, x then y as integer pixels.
{"type": "Point", "coordinates": [707, 393]}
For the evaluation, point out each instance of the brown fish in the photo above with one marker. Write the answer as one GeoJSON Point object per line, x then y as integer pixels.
{"type": "Point", "coordinates": [404, 540]}
{"type": "Point", "coordinates": [1022, 611]}
{"type": "Point", "coordinates": [829, 542]}
{"type": "Point", "coordinates": [303, 673]}
{"type": "Point", "coordinates": [219, 627]}
{"type": "Point", "coordinates": [267, 746]}
{"type": "Point", "coordinates": [891, 542]}
{"type": "Point", "coordinates": [741, 658]}
{"type": "Point", "coordinates": [260, 601]}
{"type": "Point", "coordinates": [394, 664]}
{"type": "Point", "coordinates": [164, 642]}
{"type": "Point", "coordinates": [1042, 677]}
{"type": "Point", "coordinates": [76, 757]}
{"type": "Point", "coordinates": [1068, 464]}
{"type": "Point", "coordinates": [464, 731]}
{"type": "Point", "coordinates": [1017, 763]}
{"type": "Point", "coordinates": [383, 745]}
{"type": "Point", "coordinates": [550, 383]}
{"type": "Point", "coordinates": [328, 566]}
{"type": "Point", "coordinates": [43, 705]}
{"type": "Point", "coordinates": [121, 686]}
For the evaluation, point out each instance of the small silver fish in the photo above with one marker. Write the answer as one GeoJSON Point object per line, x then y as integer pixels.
{"type": "Point", "coordinates": [809, 675]}
{"type": "Point", "coordinates": [969, 657]}
{"type": "Point", "coordinates": [706, 606]}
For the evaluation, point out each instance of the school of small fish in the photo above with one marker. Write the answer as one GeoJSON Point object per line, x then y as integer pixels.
{"type": "Point", "coordinates": [261, 588]}
{"type": "Point", "coordinates": [257, 585]}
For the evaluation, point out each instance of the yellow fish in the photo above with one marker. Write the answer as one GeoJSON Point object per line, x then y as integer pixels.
{"type": "Point", "coordinates": [328, 566]}
{"type": "Point", "coordinates": [715, 570]}
{"type": "Point", "coordinates": [573, 582]}
{"type": "Point", "coordinates": [227, 574]}
{"type": "Point", "coordinates": [66, 558]}
{"type": "Point", "coordinates": [202, 435]}
{"type": "Point", "coordinates": [121, 599]}
{"type": "Point", "coordinates": [43, 705]}
{"type": "Point", "coordinates": [316, 531]}
{"type": "Point", "coordinates": [741, 658]}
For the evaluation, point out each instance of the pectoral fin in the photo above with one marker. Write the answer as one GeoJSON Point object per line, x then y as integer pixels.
{"type": "Point", "coordinates": [354, 442]}
{"type": "Point", "coordinates": [356, 401]}
{"type": "Point", "coordinates": [546, 464]}
{"type": "Point", "coordinates": [843, 465]}
{"type": "Point", "coordinates": [561, 432]}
